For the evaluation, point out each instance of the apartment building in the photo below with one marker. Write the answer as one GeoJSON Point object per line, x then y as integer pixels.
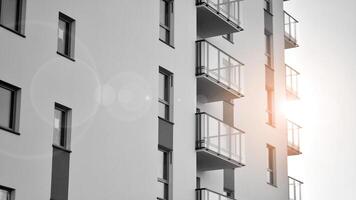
{"type": "Point", "coordinates": [161, 99]}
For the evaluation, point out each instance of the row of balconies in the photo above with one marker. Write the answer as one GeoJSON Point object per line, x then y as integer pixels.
{"type": "Point", "coordinates": [220, 145]}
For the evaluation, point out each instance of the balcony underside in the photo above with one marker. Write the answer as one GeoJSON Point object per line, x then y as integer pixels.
{"type": "Point", "coordinates": [211, 23]}
{"type": "Point", "coordinates": [289, 43]}
{"type": "Point", "coordinates": [212, 90]}
{"type": "Point", "coordinates": [292, 151]}
{"type": "Point", "coordinates": [209, 160]}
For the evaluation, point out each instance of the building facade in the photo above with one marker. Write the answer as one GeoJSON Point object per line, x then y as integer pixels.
{"type": "Point", "coordinates": [161, 99]}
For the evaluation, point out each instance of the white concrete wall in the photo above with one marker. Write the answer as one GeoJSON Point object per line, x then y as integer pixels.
{"type": "Point", "coordinates": [112, 89]}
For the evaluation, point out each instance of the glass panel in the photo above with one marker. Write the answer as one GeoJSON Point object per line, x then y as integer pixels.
{"type": "Point", "coordinates": [163, 110]}
{"type": "Point", "coordinates": [162, 190]}
{"type": "Point", "coordinates": [5, 107]}
{"type": "Point", "coordinates": [164, 13]}
{"type": "Point", "coordinates": [4, 195]}
{"type": "Point", "coordinates": [164, 34]}
{"type": "Point", "coordinates": [213, 61]}
{"type": "Point", "coordinates": [9, 14]}
{"type": "Point", "coordinates": [161, 87]}
{"type": "Point", "coordinates": [63, 36]}
{"type": "Point", "coordinates": [59, 129]}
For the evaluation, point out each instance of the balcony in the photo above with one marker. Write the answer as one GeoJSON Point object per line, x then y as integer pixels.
{"type": "Point", "coordinates": [290, 31]}
{"type": "Point", "coordinates": [218, 74]}
{"type": "Point", "coordinates": [291, 83]}
{"type": "Point", "coordinates": [293, 138]}
{"type": "Point", "coordinates": [206, 194]}
{"type": "Point", "coordinates": [295, 189]}
{"type": "Point", "coordinates": [217, 17]}
{"type": "Point", "coordinates": [218, 145]}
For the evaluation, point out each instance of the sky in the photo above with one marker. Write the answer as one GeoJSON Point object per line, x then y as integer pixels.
{"type": "Point", "coordinates": [326, 60]}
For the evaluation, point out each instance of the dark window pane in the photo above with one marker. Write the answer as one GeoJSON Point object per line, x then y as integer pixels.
{"type": "Point", "coordinates": [63, 37]}
{"type": "Point", "coordinates": [6, 107]}
{"type": "Point", "coordinates": [162, 81]}
{"type": "Point", "coordinates": [9, 14]}
{"type": "Point", "coordinates": [59, 129]}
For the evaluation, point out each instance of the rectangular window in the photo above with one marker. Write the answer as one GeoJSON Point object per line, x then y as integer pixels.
{"type": "Point", "coordinates": [61, 132]}
{"type": "Point", "coordinates": [229, 37]}
{"type": "Point", "coordinates": [271, 165]}
{"type": "Point", "coordinates": [12, 14]}
{"type": "Point", "coordinates": [164, 174]}
{"type": "Point", "coordinates": [6, 193]}
{"type": "Point", "coordinates": [9, 107]}
{"type": "Point", "coordinates": [268, 6]}
{"type": "Point", "coordinates": [269, 50]}
{"type": "Point", "coordinates": [166, 21]}
{"type": "Point", "coordinates": [165, 94]}
{"type": "Point", "coordinates": [270, 107]}
{"type": "Point", "coordinates": [66, 35]}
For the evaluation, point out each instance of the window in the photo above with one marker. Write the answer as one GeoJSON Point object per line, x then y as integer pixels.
{"type": "Point", "coordinates": [268, 6]}
{"type": "Point", "coordinates": [9, 107]}
{"type": "Point", "coordinates": [61, 132]}
{"type": "Point", "coordinates": [269, 50]}
{"type": "Point", "coordinates": [229, 37]}
{"type": "Point", "coordinates": [165, 94]}
{"type": "Point", "coordinates": [66, 35]}
{"type": "Point", "coordinates": [12, 15]}
{"type": "Point", "coordinates": [270, 107]}
{"type": "Point", "coordinates": [6, 193]}
{"type": "Point", "coordinates": [166, 21]}
{"type": "Point", "coordinates": [271, 165]}
{"type": "Point", "coordinates": [164, 174]}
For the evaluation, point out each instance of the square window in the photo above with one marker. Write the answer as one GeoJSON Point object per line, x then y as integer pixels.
{"type": "Point", "coordinates": [12, 14]}
{"type": "Point", "coordinates": [9, 106]}
{"type": "Point", "coordinates": [61, 128]}
{"type": "Point", "coordinates": [66, 29]}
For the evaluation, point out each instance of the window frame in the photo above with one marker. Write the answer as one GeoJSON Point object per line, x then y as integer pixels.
{"type": "Point", "coordinates": [268, 6]}
{"type": "Point", "coordinates": [11, 192]}
{"type": "Point", "coordinates": [170, 19]}
{"type": "Point", "coordinates": [271, 156]}
{"type": "Point", "coordinates": [168, 88]}
{"type": "Point", "coordinates": [229, 37]}
{"type": "Point", "coordinates": [69, 43]}
{"type": "Point", "coordinates": [65, 126]}
{"type": "Point", "coordinates": [20, 18]}
{"type": "Point", "coordinates": [14, 118]}
{"type": "Point", "coordinates": [167, 158]}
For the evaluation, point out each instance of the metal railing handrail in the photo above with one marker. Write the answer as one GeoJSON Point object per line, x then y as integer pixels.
{"type": "Point", "coordinates": [206, 41]}
{"type": "Point", "coordinates": [211, 116]}
{"type": "Point", "coordinates": [296, 180]}
{"type": "Point", "coordinates": [289, 15]}
{"type": "Point", "coordinates": [206, 189]}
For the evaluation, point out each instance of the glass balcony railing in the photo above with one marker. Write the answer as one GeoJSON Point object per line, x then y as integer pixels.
{"type": "Point", "coordinates": [206, 194]}
{"type": "Point", "coordinates": [218, 65]}
{"type": "Point", "coordinates": [293, 136]}
{"type": "Point", "coordinates": [292, 81]}
{"type": "Point", "coordinates": [290, 28]}
{"type": "Point", "coordinates": [295, 189]}
{"type": "Point", "coordinates": [230, 9]}
{"type": "Point", "coordinates": [216, 136]}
